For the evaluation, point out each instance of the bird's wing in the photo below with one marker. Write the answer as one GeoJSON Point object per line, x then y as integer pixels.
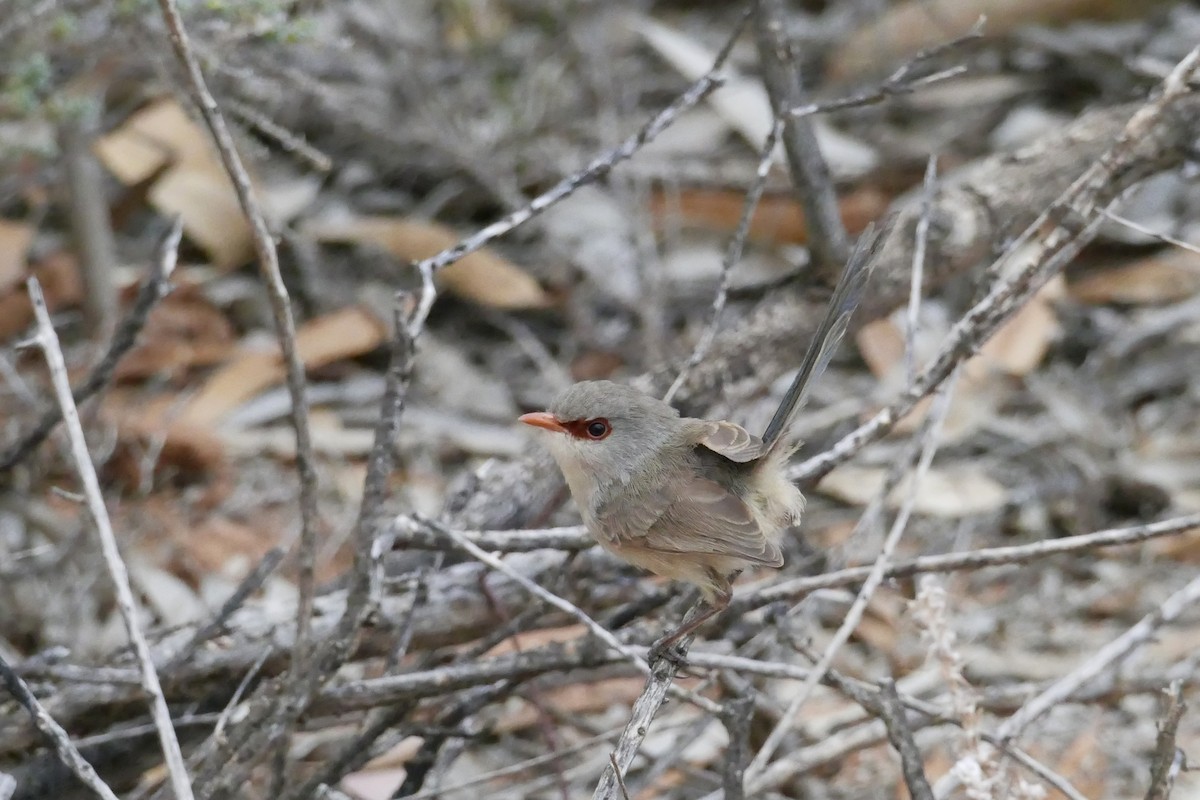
{"type": "Point", "coordinates": [732, 441]}
{"type": "Point", "coordinates": [694, 515]}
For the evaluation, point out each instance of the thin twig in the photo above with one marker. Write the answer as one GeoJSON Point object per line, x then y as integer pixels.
{"type": "Point", "coordinates": [59, 739]}
{"type": "Point", "coordinates": [156, 286]}
{"type": "Point", "coordinates": [1099, 662]}
{"type": "Point", "coordinates": [421, 535]}
{"type": "Point", "coordinates": [921, 241]}
{"type": "Point", "coordinates": [47, 340]}
{"type": "Point", "coordinates": [891, 711]}
{"type": "Point", "coordinates": [285, 325]}
{"type": "Point", "coordinates": [612, 762]}
{"type": "Point", "coordinates": [249, 585]}
{"type": "Point", "coordinates": [595, 169]}
{"type": "Point", "coordinates": [1045, 246]}
{"type": "Point", "coordinates": [644, 710]}
{"type": "Point", "coordinates": [292, 143]}
{"type": "Point", "coordinates": [929, 437]}
{"type": "Point", "coordinates": [738, 716]}
{"type": "Point", "coordinates": [827, 237]}
{"type": "Point", "coordinates": [598, 630]}
{"type": "Point", "coordinates": [901, 81]}
{"type": "Point", "coordinates": [733, 254]}
{"type": "Point", "coordinates": [1168, 758]}
{"type": "Point", "coordinates": [1142, 229]}
{"type": "Point", "coordinates": [795, 588]}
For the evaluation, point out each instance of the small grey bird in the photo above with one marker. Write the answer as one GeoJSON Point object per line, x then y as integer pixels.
{"type": "Point", "coordinates": [690, 499]}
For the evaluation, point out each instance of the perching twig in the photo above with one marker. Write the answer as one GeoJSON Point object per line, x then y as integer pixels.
{"type": "Point", "coordinates": [597, 630]}
{"type": "Point", "coordinates": [645, 708]}
{"type": "Point", "coordinates": [47, 340]}
{"type": "Point", "coordinates": [155, 287]}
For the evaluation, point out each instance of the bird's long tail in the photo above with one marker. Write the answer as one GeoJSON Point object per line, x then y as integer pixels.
{"type": "Point", "coordinates": [821, 348]}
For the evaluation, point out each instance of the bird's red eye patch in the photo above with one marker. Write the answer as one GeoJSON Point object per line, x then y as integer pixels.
{"type": "Point", "coordinates": [594, 429]}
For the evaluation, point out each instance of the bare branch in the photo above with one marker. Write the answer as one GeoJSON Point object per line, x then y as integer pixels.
{"type": "Point", "coordinates": [47, 340]}
{"type": "Point", "coordinates": [281, 309]}
{"type": "Point", "coordinates": [1168, 758]}
{"type": "Point", "coordinates": [54, 733]}
{"type": "Point", "coordinates": [156, 286]}
{"type": "Point", "coordinates": [810, 174]}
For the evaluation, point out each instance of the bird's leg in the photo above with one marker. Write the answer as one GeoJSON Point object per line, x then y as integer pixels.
{"type": "Point", "coordinates": [666, 647]}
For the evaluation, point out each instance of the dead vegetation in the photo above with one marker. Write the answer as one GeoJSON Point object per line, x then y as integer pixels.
{"type": "Point", "coordinates": [424, 219]}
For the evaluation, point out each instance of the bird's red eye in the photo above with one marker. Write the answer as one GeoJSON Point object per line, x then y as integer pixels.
{"type": "Point", "coordinates": [598, 428]}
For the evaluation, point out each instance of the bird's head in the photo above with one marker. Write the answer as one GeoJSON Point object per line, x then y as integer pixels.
{"type": "Point", "coordinates": [605, 431]}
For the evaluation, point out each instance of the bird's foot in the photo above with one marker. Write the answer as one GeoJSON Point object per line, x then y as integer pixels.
{"type": "Point", "coordinates": [667, 649]}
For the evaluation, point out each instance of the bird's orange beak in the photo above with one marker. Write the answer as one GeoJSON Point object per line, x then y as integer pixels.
{"type": "Point", "coordinates": [544, 420]}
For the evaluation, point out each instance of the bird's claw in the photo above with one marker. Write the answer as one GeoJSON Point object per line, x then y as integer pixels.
{"type": "Point", "coordinates": [666, 650]}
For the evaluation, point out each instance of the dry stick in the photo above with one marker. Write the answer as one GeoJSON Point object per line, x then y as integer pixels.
{"type": "Point", "coordinates": [738, 716]}
{"type": "Point", "coordinates": [419, 534]}
{"type": "Point", "coordinates": [394, 689]}
{"type": "Point", "coordinates": [47, 340]}
{"type": "Point", "coordinates": [796, 588]}
{"type": "Point", "coordinates": [156, 286]}
{"type": "Point", "coordinates": [827, 237]}
{"type": "Point", "coordinates": [249, 585]}
{"type": "Point", "coordinates": [930, 438]}
{"type": "Point", "coordinates": [268, 716]}
{"type": "Point", "coordinates": [871, 700]}
{"type": "Point", "coordinates": [901, 81]}
{"type": "Point", "coordinates": [91, 226]}
{"type": "Point", "coordinates": [1168, 758]}
{"type": "Point", "coordinates": [891, 711]}
{"type": "Point", "coordinates": [597, 168]}
{"type": "Point", "coordinates": [733, 254]}
{"type": "Point", "coordinates": [58, 738]}
{"type": "Point", "coordinates": [1142, 229]}
{"type": "Point", "coordinates": [285, 325]}
{"type": "Point", "coordinates": [1055, 237]}
{"type": "Point", "coordinates": [918, 270]}
{"type": "Point", "coordinates": [598, 630]}
{"type": "Point", "coordinates": [644, 709]}
{"type": "Point", "coordinates": [1105, 658]}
